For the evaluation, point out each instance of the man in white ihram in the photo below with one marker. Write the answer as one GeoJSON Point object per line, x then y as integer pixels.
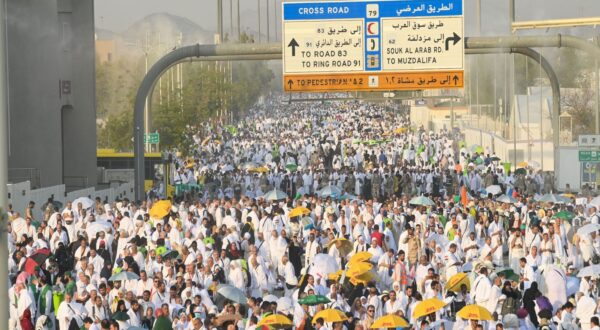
{"type": "Point", "coordinates": [482, 288]}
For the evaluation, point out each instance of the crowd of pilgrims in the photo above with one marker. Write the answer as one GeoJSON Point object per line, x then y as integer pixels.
{"type": "Point", "coordinates": [319, 216]}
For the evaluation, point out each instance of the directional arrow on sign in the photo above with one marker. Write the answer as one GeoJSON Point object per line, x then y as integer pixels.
{"type": "Point", "coordinates": [455, 78]}
{"type": "Point", "coordinates": [454, 38]}
{"type": "Point", "coordinates": [290, 83]}
{"type": "Point", "coordinates": [295, 44]}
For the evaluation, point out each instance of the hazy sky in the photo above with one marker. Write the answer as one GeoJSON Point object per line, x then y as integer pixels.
{"type": "Point", "coordinates": [117, 15]}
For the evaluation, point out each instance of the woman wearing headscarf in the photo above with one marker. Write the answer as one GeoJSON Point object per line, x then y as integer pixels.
{"type": "Point", "coordinates": [529, 302]}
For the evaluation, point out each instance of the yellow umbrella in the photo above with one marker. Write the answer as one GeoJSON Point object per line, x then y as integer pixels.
{"type": "Point", "coordinates": [335, 276]}
{"type": "Point", "coordinates": [522, 165]}
{"type": "Point", "coordinates": [342, 244]}
{"type": "Point", "coordinates": [360, 256]}
{"type": "Point", "coordinates": [160, 209]}
{"type": "Point", "coordinates": [475, 312]}
{"type": "Point", "coordinates": [400, 130]}
{"type": "Point", "coordinates": [330, 315]}
{"type": "Point", "coordinates": [357, 269]}
{"type": "Point", "coordinates": [427, 307]}
{"type": "Point", "coordinates": [276, 320]}
{"type": "Point", "coordinates": [298, 211]}
{"type": "Point", "coordinates": [456, 281]}
{"type": "Point", "coordinates": [365, 278]}
{"type": "Point", "coordinates": [261, 169]}
{"type": "Point", "coordinates": [389, 321]}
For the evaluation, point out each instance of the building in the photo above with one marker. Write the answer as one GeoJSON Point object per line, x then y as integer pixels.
{"type": "Point", "coordinates": [51, 91]}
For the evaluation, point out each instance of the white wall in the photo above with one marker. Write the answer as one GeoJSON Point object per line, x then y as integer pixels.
{"type": "Point", "coordinates": [20, 194]}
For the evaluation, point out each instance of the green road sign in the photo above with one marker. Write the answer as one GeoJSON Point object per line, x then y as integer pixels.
{"type": "Point", "coordinates": [589, 156]}
{"type": "Point", "coordinates": [152, 138]}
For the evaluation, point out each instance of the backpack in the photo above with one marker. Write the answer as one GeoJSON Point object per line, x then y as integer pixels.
{"type": "Point", "coordinates": [543, 303]}
{"type": "Point", "coordinates": [510, 306]}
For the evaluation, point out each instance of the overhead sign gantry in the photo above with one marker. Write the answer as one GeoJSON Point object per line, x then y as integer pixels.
{"type": "Point", "coordinates": [373, 45]}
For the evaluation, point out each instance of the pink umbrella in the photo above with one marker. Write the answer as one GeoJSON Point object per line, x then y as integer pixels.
{"type": "Point", "coordinates": [22, 278]}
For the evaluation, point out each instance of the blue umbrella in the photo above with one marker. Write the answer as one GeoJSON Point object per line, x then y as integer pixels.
{"type": "Point", "coordinates": [123, 276]}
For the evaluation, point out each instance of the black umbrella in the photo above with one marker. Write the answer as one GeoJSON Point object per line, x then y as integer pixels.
{"type": "Point", "coordinates": [40, 256]}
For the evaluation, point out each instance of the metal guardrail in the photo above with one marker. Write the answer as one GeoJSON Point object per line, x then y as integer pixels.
{"type": "Point", "coordinates": [22, 174]}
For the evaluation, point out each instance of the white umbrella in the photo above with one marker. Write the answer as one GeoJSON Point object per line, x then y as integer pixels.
{"type": "Point", "coordinates": [506, 199]}
{"type": "Point", "coordinates": [270, 298]}
{"type": "Point", "coordinates": [493, 189]}
{"type": "Point", "coordinates": [275, 195]}
{"type": "Point", "coordinates": [572, 285]}
{"type": "Point", "coordinates": [593, 270]}
{"type": "Point", "coordinates": [86, 202]}
{"type": "Point", "coordinates": [124, 276]}
{"type": "Point", "coordinates": [232, 293]}
{"type": "Point", "coordinates": [588, 229]}
{"type": "Point", "coordinates": [330, 191]}
{"type": "Point", "coordinates": [97, 226]}
{"type": "Point", "coordinates": [322, 265]}
{"type": "Point", "coordinates": [285, 305]}
{"type": "Point", "coordinates": [595, 201]}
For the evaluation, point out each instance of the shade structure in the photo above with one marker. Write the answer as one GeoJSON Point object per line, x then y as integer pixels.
{"type": "Point", "coordinates": [456, 281]}
{"type": "Point", "coordinates": [275, 320]}
{"type": "Point", "coordinates": [330, 315]}
{"type": "Point", "coordinates": [427, 307]}
{"type": "Point", "coordinates": [474, 312]}
{"type": "Point", "coordinates": [389, 321]}
{"type": "Point", "coordinates": [160, 209]}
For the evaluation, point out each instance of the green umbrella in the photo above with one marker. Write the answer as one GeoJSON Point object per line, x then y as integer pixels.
{"type": "Point", "coordinates": [291, 167]}
{"type": "Point", "coordinates": [120, 316]}
{"type": "Point", "coordinates": [508, 273]}
{"type": "Point", "coordinates": [564, 215]}
{"type": "Point", "coordinates": [231, 129]}
{"type": "Point", "coordinates": [521, 171]}
{"type": "Point", "coordinates": [209, 240]}
{"type": "Point", "coordinates": [160, 250]}
{"type": "Point", "coordinates": [313, 300]}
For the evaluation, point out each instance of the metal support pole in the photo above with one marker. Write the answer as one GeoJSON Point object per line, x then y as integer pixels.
{"type": "Point", "coordinates": [3, 167]}
{"type": "Point", "coordinates": [239, 27]}
{"type": "Point", "coordinates": [268, 26]}
{"type": "Point", "coordinates": [259, 22]}
{"type": "Point", "coordinates": [220, 20]}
